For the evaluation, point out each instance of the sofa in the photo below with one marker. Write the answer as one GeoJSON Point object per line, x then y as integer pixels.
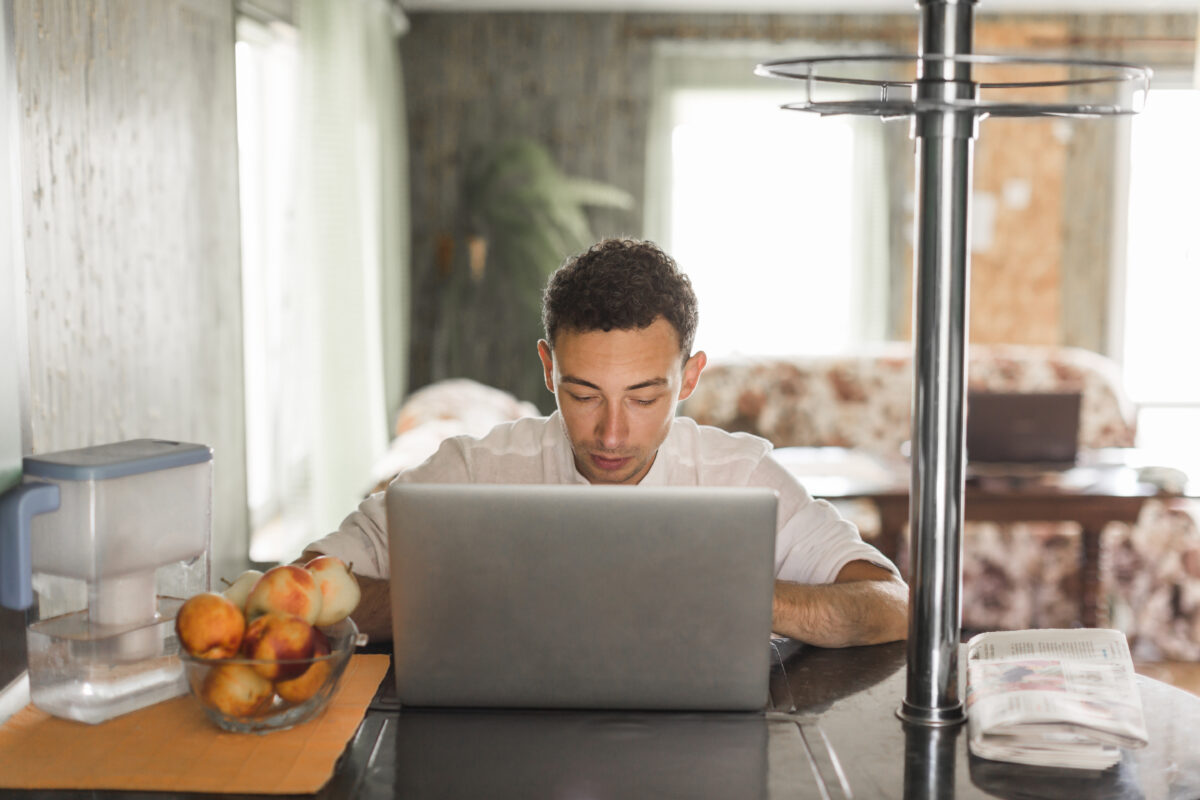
{"type": "Point", "coordinates": [1019, 575]}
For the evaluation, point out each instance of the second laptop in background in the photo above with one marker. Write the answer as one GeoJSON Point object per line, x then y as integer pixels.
{"type": "Point", "coordinates": [1038, 429]}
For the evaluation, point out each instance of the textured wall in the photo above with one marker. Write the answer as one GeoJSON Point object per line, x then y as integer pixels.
{"type": "Point", "coordinates": [579, 84]}
{"type": "Point", "coordinates": [131, 230]}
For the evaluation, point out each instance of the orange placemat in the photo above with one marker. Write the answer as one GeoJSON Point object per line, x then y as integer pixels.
{"type": "Point", "coordinates": [172, 746]}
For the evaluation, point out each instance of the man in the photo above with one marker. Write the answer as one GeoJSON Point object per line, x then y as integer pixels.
{"type": "Point", "coordinates": [619, 322]}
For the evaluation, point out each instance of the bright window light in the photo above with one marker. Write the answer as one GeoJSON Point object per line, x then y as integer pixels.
{"type": "Point", "coordinates": [761, 220]}
{"type": "Point", "coordinates": [277, 445]}
{"type": "Point", "coordinates": [1163, 264]}
{"type": "Point", "coordinates": [1162, 323]}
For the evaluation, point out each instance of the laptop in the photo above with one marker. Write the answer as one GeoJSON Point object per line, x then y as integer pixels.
{"type": "Point", "coordinates": [586, 597]}
{"type": "Point", "coordinates": [1024, 429]}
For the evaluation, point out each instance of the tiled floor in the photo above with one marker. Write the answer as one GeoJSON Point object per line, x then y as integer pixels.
{"type": "Point", "coordinates": [1183, 674]}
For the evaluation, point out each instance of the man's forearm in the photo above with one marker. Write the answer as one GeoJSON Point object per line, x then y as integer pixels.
{"type": "Point", "coordinates": [842, 614]}
{"type": "Point", "coordinates": [374, 613]}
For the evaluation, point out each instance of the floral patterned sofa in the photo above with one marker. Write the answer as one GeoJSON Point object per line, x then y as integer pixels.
{"type": "Point", "coordinates": [1018, 575]}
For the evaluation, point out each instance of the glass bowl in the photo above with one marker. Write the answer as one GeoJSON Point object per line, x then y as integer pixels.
{"type": "Point", "coordinates": [235, 696]}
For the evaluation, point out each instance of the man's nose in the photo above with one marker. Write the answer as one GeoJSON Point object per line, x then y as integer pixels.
{"type": "Point", "coordinates": [612, 427]}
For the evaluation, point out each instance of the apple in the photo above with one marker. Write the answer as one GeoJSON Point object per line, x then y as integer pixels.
{"type": "Point", "coordinates": [239, 589]}
{"type": "Point", "coordinates": [308, 683]}
{"type": "Point", "coordinates": [339, 588]}
{"type": "Point", "coordinates": [209, 625]}
{"type": "Point", "coordinates": [277, 639]}
{"type": "Point", "coordinates": [286, 589]}
{"type": "Point", "coordinates": [236, 690]}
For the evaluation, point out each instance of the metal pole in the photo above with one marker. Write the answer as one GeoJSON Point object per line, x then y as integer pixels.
{"type": "Point", "coordinates": [944, 145]}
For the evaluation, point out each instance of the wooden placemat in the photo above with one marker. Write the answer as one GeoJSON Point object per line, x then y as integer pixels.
{"type": "Point", "coordinates": [172, 746]}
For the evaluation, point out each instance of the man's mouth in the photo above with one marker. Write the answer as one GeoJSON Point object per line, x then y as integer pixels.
{"type": "Point", "coordinates": [608, 463]}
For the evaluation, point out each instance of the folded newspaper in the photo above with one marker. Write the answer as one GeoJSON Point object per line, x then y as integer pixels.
{"type": "Point", "coordinates": [1058, 698]}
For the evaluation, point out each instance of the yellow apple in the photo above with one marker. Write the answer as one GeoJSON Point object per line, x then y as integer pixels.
{"type": "Point", "coordinates": [286, 589]}
{"type": "Point", "coordinates": [236, 690]}
{"type": "Point", "coordinates": [239, 590]}
{"type": "Point", "coordinates": [308, 683]}
{"type": "Point", "coordinates": [339, 588]}
{"type": "Point", "coordinates": [210, 626]}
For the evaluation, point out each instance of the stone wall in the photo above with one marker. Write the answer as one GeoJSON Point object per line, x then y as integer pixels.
{"type": "Point", "coordinates": [130, 214]}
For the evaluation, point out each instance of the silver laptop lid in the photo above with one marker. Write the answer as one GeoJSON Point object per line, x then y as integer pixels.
{"type": "Point", "coordinates": [581, 596]}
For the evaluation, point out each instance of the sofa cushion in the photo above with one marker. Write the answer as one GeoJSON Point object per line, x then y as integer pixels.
{"type": "Point", "coordinates": [863, 400]}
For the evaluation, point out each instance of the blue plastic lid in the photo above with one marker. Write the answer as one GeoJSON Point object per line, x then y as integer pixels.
{"type": "Point", "coordinates": [116, 460]}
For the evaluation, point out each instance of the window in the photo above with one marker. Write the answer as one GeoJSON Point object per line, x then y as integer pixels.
{"type": "Point", "coordinates": [277, 440]}
{"type": "Point", "coordinates": [778, 217]}
{"type": "Point", "coordinates": [1162, 278]}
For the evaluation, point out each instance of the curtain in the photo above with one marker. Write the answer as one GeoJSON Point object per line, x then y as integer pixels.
{"type": "Point", "coordinates": [352, 240]}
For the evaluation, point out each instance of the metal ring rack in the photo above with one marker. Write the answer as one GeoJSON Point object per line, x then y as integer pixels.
{"type": "Point", "coordinates": [946, 90]}
{"type": "Point", "coordinates": [895, 96]}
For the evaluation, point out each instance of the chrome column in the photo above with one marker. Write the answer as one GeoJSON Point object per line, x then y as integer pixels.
{"type": "Point", "coordinates": [944, 145]}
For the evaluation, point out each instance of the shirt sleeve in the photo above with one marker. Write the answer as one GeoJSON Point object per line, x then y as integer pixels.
{"type": "Point", "coordinates": [812, 541]}
{"type": "Point", "coordinates": [362, 538]}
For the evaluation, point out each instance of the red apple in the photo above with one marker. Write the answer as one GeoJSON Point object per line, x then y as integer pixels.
{"type": "Point", "coordinates": [239, 589]}
{"type": "Point", "coordinates": [210, 626]}
{"type": "Point", "coordinates": [308, 683]}
{"type": "Point", "coordinates": [339, 588]}
{"type": "Point", "coordinates": [286, 589]}
{"type": "Point", "coordinates": [236, 690]}
{"type": "Point", "coordinates": [276, 640]}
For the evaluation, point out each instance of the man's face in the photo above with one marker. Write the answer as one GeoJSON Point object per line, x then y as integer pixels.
{"type": "Point", "coordinates": [617, 392]}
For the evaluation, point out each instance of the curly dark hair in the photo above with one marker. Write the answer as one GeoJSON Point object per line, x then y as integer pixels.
{"type": "Point", "coordinates": [621, 284]}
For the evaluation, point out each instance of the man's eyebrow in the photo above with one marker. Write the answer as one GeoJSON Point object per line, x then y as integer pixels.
{"type": "Point", "coordinates": [653, 382]}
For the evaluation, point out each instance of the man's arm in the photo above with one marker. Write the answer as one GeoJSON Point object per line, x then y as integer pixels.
{"type": "Point", "coordinates": [373, 616]}
{"type": "Point", "coordinates": [866, 604]}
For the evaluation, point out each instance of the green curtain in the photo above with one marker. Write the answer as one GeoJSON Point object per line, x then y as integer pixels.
{"type": "Point", "coordinates": [354, 233]}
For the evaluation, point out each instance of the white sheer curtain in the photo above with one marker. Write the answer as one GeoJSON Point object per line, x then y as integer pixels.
{"type": "Point", "coordinates": [273, 307]}
{"type": "Point", "coordinates": [352, 240]}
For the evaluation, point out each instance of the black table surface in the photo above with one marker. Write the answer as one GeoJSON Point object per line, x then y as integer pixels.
{"type": "Point", "coordinates": [831, 732]}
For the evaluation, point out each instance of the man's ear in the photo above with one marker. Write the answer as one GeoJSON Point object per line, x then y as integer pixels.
{"type": "Point", "coordinates": [691, 374]}
{"type": "Point", "coordinates": [547, 357]}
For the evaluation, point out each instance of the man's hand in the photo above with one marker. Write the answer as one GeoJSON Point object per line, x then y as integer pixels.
{"type": "Point", "coordinates": [866, 604]}
{"type": "Point", "coordinates": [373, 616]}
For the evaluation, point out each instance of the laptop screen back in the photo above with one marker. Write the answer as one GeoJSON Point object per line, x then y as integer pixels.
{"type": "Point", "coordinates": [581, 596]}
{"type": "Point", "coordinates": [1023, 428]}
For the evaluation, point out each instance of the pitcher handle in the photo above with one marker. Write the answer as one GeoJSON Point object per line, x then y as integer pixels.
{"type": "Point", "coordinates": [17, 508]}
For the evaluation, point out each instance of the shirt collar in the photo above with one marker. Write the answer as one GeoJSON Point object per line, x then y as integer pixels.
{"type": "Point", "coordinates": [660, 471]}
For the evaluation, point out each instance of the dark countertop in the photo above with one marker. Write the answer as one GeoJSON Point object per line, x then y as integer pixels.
{"type": "Point", "coordinates": [832, 733]}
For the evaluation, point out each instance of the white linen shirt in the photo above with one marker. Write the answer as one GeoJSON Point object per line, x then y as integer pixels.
{"type": "Point", "coordinates": [813, 542]}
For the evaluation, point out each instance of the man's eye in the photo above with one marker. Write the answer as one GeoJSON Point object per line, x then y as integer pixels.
{"type": "Point", "coordinates": [642, 402]}
{"type": "Point", "coordinates": [583, 398]}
